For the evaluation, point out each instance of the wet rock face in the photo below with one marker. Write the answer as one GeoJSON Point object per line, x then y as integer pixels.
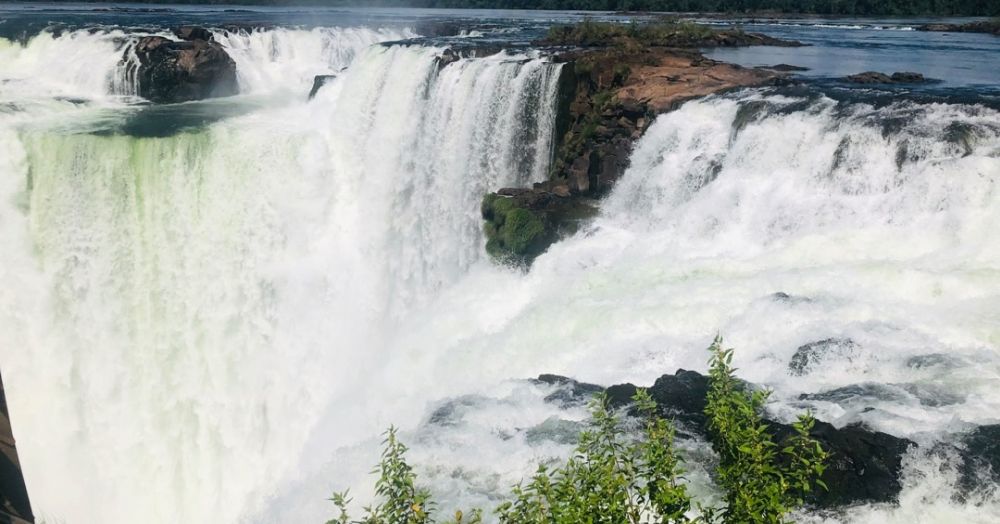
{"type": "Point", "coordinates": [864, 465]}
{"type": "Point", "coordinates": [181, 71]}
{"type": "Point", "coordinates": [521, 224]}
{"type": "Point", "coordinates": [318, 82]}
{"type": "Point", "coordinates": [809, 356]}
{"type": "Point", "coordinates": [569, 392]}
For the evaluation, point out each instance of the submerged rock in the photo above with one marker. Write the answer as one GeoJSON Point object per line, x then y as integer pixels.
{"type": "Point", "coordinates": [808, 356]}
{"type": "Point", "coordinates": [864, 465]}
{"type": "Point", "coordinates": [180, 71]}
{"type": "Point", "coordinates": [556, 430]}
{"type": "Point", "coordinates": [981, 458]}
{"type": "Point", "coordinates": [569, 392]}
{"type": "Point", "coordinates": [787, 68]}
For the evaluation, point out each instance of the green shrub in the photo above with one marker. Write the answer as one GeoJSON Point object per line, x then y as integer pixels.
{"type": "Point", "coordinates": [616, 477]}
{"type": "Point", "coordinates": [610, 479]}
{"type": "Point", "coordinates": [760, 485]}
{"type": "Point", "coordinates": [664, 32]}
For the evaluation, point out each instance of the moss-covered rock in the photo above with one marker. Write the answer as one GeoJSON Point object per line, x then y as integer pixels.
{"type": "Point", "coordinates": [513, 230]}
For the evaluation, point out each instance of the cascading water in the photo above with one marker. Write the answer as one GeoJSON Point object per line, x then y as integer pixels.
{"type": "Point", "coordinates": [214, 325]}
{"type": "Point", "coordinates": [181, 311]}
{"type": "Point", "coordinates": [287, 59]}
{"type": "Point", "coordinates": [777, 221]}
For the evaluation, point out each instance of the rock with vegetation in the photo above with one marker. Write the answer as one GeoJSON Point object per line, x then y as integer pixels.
{"type": "Point", "coordinates": [521, 223]}
{"type": "Point", "coordinates": [667, 32]}
{"type": "Point", "coordinates": [614, 82]}
{"type": "Point", "coordinates": [864, 465]}
{"type": "Point", "coordinates": [986, 26]}
{"type": "Point", "coordinates": [630, 471]}
{"type": "Point", "coordinates": [171, 71]}
{"type": "Point", "coordinates": [874, 77]}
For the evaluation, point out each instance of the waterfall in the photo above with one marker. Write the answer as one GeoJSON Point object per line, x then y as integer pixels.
{"type": "Point", "coordinates": [182, 313]}
{"type": "Point", "coordinates": [280, 58]}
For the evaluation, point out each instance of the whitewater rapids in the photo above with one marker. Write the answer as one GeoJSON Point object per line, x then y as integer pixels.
{"type": "Point", "coordinates": [215, 325]}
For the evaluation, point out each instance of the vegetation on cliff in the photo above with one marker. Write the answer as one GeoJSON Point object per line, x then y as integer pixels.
{"type": "Point", "coordinates": [820, 7]}
{"type": "Point", "coordinates": [664, 32]}
{"type": "Point", "coordinates": [616, 476]}
{"type": "Point", "coordinates": [616, 77]}
{"type": "Point", "coordinates": [512, 229]}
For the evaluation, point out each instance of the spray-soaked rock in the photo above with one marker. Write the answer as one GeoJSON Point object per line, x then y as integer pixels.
{"type": "Point", "coordinates": [318, 82]}
{"type": "Point", "coordinates": [808, 356]}
{"type": "Point", "coordinates": [522, 223]}
{"type": "Point", "coordinates": [170, 71]}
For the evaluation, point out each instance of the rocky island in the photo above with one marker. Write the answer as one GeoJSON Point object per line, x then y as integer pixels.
{"type": "Point", "coordinates": [615, 80]}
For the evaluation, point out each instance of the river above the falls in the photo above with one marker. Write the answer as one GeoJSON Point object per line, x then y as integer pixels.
{"type": "Point", "coordinates": [210, 311]}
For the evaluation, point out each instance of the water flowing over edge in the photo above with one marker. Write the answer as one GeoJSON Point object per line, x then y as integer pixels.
{"type": "Point", "coordinates": [202, 290]}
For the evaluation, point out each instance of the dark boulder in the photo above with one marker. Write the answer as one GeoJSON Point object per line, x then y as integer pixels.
{"type": "Point", "coordinates": [870, 77]}
{"type": "Point", "coordinates": [808, 356]}
{"type": "Point", "coordinates": [318, 82]}
{"type": "Point", "coordinates": [621, 394]}
{"type": "Point", "coordinates": [171, 71]}
{"type": "Point", "coordinates": [787, 68]}
{"type": "Point", "coordinates": [864, 465]}
{"type": "Point", "coordinates": [907, 77]}
{"type": "Point", "coordinates": [874, 77]}
{"type": "Point", "coordinates": [927, 395]}
{"type": "Point", "coordinates": [682, 396]}
{"type": "Point", "coordinates": [193, 32]}
{"type": "Point", "coordinates": [569, 392]}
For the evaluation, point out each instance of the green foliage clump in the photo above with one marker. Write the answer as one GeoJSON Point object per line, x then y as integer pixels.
{"type": "Point", "coordinates": [610, 479]}
{"type": "Point", "coordinates": [618, 477]}
{"type": "Point", "coordinates": [761, 482]}
{"type": "Point", "coordinates": [512, 231]}
{"type": "Point", "coordinates": [664, 32]}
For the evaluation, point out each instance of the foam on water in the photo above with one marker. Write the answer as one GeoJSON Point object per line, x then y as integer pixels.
{"type": "Point", "coordinates": [776, 221]}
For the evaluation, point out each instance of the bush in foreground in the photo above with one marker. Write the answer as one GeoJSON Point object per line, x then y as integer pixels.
{"type": "Point", "coordinates": [615, 477]}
